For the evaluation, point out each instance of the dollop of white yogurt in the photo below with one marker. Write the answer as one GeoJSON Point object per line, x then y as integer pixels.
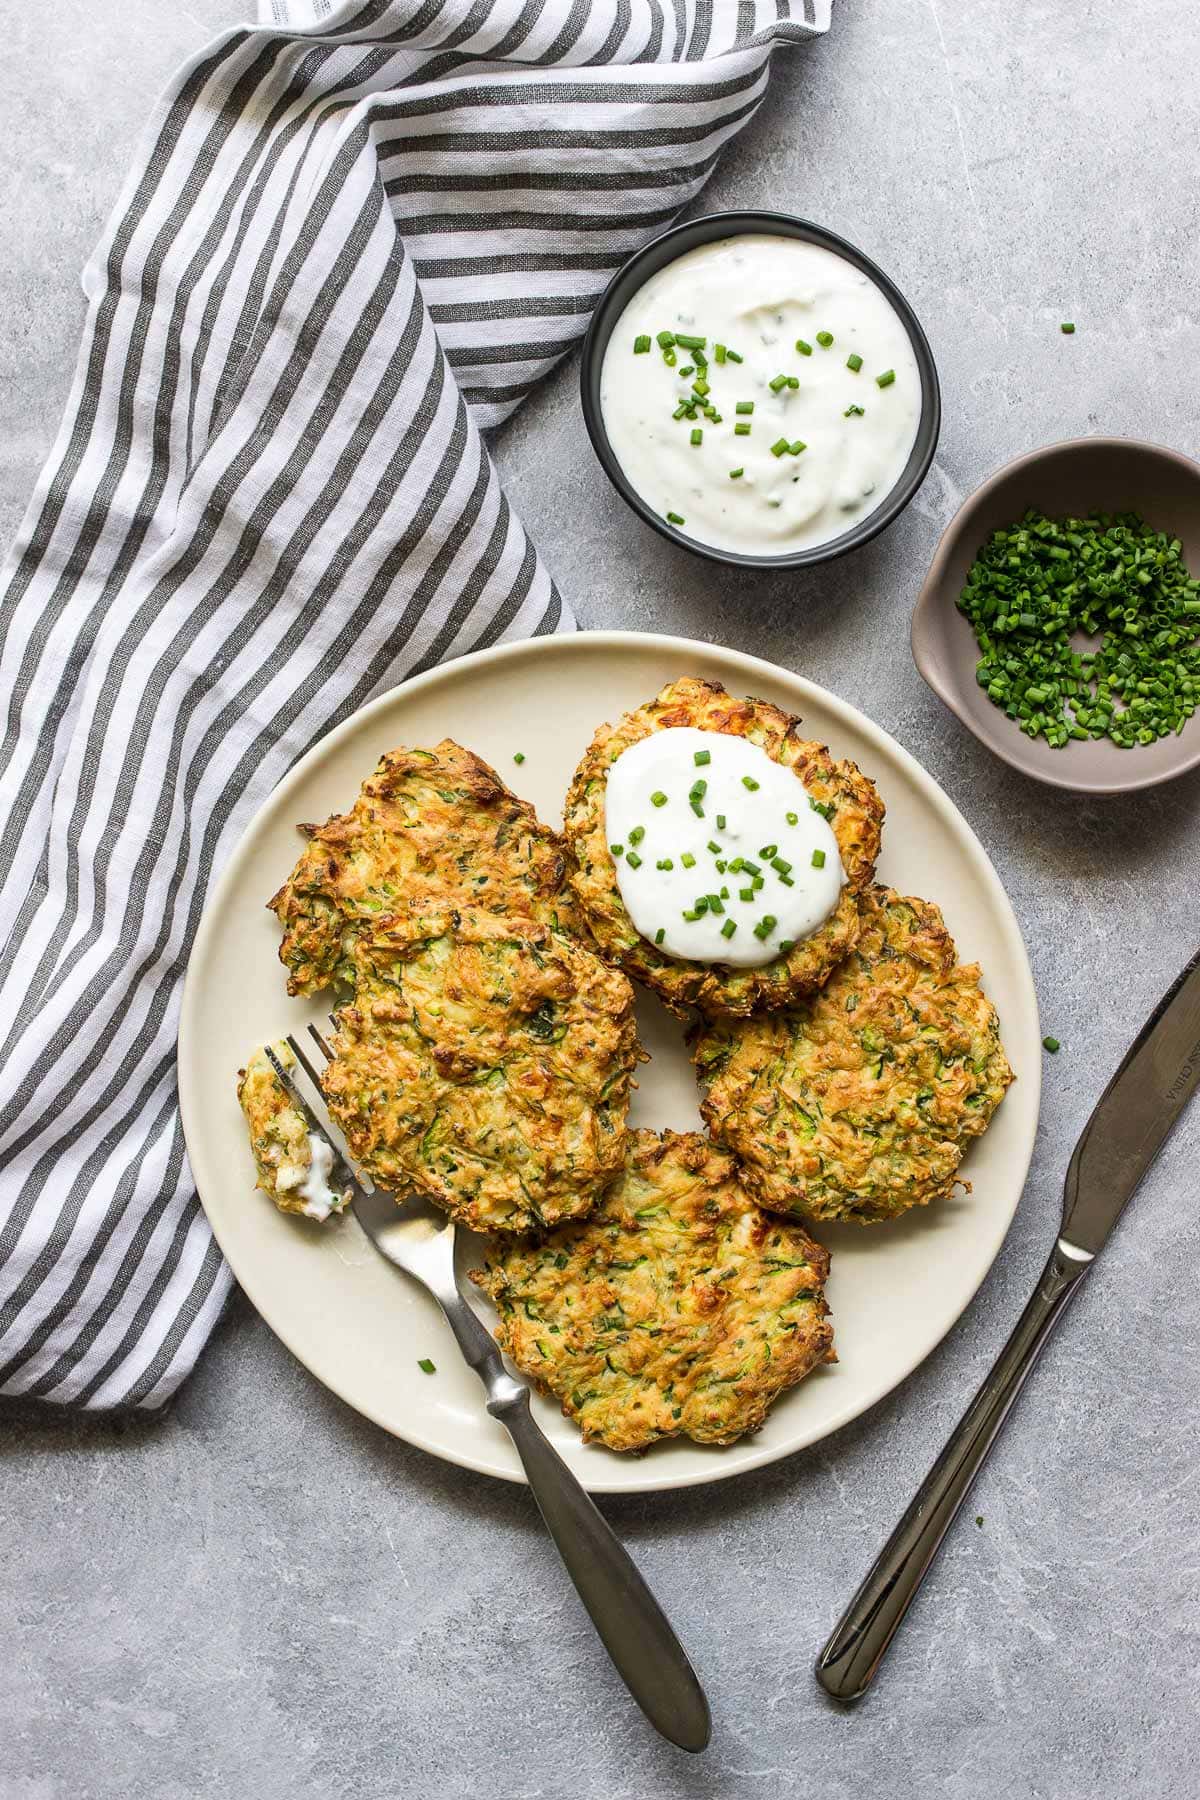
{"type": "Point", "coordinates": [815, 454]}
{"type": "Point", "coordinates": [312, 1184]}
{"type": "Point", "coordinates": [720, 855]}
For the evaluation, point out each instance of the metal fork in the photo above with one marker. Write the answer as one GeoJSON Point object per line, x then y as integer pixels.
{"type": "Point", "coordinates": [633, 1627]}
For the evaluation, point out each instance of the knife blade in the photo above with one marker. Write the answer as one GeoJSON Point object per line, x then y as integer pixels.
{"type": "Point", "coordinates": [1133, 1117]}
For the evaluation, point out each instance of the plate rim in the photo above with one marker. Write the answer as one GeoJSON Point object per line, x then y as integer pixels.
{"type": "Point", "coordinates": [581, 642]}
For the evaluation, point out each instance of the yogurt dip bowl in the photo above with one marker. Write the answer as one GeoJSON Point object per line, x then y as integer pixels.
{"type": "Point", "coordinates": [758, 390]}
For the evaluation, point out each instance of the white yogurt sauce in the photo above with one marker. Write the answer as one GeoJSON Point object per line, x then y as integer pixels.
{"type": "Point", "coordinates": [757, 295]}
{"type": "Point", "coordinates": [312, 1183]}
{"type": "Point", "coordinates": [779, 898]}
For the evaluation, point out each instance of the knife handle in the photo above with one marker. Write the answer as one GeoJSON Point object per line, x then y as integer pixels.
{"type": "Point", "coordinates": [849, 1660]}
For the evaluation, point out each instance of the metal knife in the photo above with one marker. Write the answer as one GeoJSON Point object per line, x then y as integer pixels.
{"type": "Point", "coordinates": [1125, 1133]}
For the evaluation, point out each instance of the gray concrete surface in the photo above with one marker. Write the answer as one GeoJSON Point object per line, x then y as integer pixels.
{"type": "Point", "coordinates": [258, 1595]}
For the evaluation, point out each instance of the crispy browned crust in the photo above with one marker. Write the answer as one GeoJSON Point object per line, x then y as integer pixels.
{"type": "Point", "coordinates": [488, 1064]}
{"type": "Point", "coordinates": [430, 830]}
{"type": "Point", "coordinates": [714, 988]}
{"type": "Point", "coordinates": [678, 1309]}
{"type": "Point", "coordinates": [860, 1102]}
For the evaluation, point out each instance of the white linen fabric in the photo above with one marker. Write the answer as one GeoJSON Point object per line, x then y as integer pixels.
{"type": "Point", "coordinates": [354, 238]}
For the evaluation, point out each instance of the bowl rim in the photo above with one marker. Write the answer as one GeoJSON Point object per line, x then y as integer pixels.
{"type": "Point", "coordinates": [930, 596]}
{"type": "Point", "coordinates": [690, 234]}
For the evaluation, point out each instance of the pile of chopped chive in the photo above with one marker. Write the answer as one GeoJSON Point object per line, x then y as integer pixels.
{"type": "Point", "coordinates": [1038, 585]}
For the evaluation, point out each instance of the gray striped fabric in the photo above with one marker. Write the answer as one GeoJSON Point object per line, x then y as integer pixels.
{"type": "Point", "coordinates": [355, 237]}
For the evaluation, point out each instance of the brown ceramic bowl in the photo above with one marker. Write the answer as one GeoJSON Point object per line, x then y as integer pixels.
{"type": "Point", "coordinates": [1082, 476]}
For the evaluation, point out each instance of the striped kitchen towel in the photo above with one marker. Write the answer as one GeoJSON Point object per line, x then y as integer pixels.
{"type": "Point", "coordinates": [354, 238]}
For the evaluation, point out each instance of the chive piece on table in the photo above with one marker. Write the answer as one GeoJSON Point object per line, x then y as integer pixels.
{"type": "Point", "coordinates": [854, 362]}
{"type": "Point", "coordinates": [824, 338]}
{"type": "Point", "coordinates": [641, 344]}
{"type": "Point", "coordinates": [886, 379]}
{"type": "Point", "coordinates": [1067, 328]}
{"type": "Point", "coordinates": [1051, 1044]}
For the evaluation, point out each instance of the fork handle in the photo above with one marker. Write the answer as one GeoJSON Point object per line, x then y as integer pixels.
{"type": "Point", "coordinates": [633, 1627]}
{"type": "Point", "coordinates": [849, 1660]}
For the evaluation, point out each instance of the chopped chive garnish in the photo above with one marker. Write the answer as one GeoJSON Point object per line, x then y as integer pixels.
{"type": "Point", "coordinates": [518, 756]}
{"type": "Point", "coordinates": [854, 361]}
{"type": "Point", "coordinates": [744, 406]}
{"type": "Point", "coordinates": [659, 935]}
{"type": "Point", "coordinates": [786, 881]}
{"type": "Point", "coordinates": [741, 431]}
{"type": "Point", "coordinates": [736, 864]}
{"type": "Point", "coordinates": [664, 862]}
{"type": "Point", "coordinates": [756, 881]}
{"type": "Point", "coordinates": [728, 928]}
{"type": "Point", "coordinates": [688, 860]}
{"type": "Point", "coordinates": [779, 447]}
{"type": "Point", "coordinates": [818, 859]}
{"type": "Point", "coordinates": [701, 360]}
{"type": "Point", "coordinates": [780, 381]}
{"type": "Point", "coordinates": [676, 519]}
{"type": "Point", "coordinates": [1067, 328]}
{"type": "Point", "coordinates": [736, 474]}
{"type": "Point", "coordinates": [698, 436]}
{"type": "Point", "coordinates": [803, 348]}
{"type": "Point", "coordinates": [793, 381]}
{"type": "Point", "coordinates": [666, 339]}
{"type": "Point", "coordinates": [714, 849]}
{"type": "Point", "coordinates": [697, 808]}
{"type": "Point", "coordinates": [793, 818]}
{"type": "Point", "coordinates": [782, 867]}
{"type": "Point", "coordinates": [750, 868]}
{"type": "Point", "coordinates": [720, 821]}
{"type": "Point", "coordinates": [701, 757]}
{"type": "Point", "coordinates": [617, 849]}
{"type": "Point", "coordinates": [746, 894]}
{"type": "Point", "coordinates": [886, 379]}
{"type": "Point", "coordinates": [670, 358]}
{"type": "Point", "coordinates": [724, 890]}
{"type": "Point", "coordinates": [855, 412]}
{"type": "Point", "coordinates": [680, 411]}
{"type": "Point", "coordinates": [691, 914]}
{"type": "Point", "coordinates": [824, 338]}
{"type": "Point", "coordinates": [1051, 1044]}
{"type": "Point", "coordinates": [430, 1368]}
{"type": "Point", "coordinates": [700, 387]}
{"type": "Point", "coordinates": [715, 903]}
{"type": "Point", "coordinates": [634, 860]}
{"type": "Point", "coordinates": [719, 352]}
{"type": "Point", "coordinates": [700, 903]}
{"type": "Point", "coordinates": [786, 945]}
{"type": "Point", "coordinates": [641, 345]}
{"type": "Point", "coordinates": [796, 446]}
{"type": "Point", "coordinates": [637, 834]}
{"type": "Point", "coordinates": [698, 789]}
{"type": "Point", "coordinates": [722, 865]}
{"type": "Point", "coordinates": [765, 926]}
{"type": "Point", "coordinates": [684, 373]}
{"type": "Point", "coordinates": [826, 808]}
{"type": "Point", "coordinates": [748, 781]}
{"type": "Point", "coordinates": [689, 342]}
{"type": "Point", "coordinates": [768, 851]}
{"type": "Point", "coordinates": [658, 798]}
{"type": "Point", "coordinates": [733, 356]}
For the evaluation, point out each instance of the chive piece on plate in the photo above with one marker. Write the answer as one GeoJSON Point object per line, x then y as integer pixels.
{"type": "Point", "coordinates": [429, 1367]}
{"type": "Point", "coordinates": [519, 756]}
{"type": "Point", "coordinates": [736, 474]}
{"type": "Point", "coordinates": [675, 519]}
{"type": "Point", "coordinates": [641, 345]}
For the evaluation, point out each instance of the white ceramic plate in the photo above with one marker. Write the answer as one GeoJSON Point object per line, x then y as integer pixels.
{"type": "Point", "coordinates": [360, 1326]}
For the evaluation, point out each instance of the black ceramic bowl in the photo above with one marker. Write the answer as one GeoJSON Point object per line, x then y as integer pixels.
{"type": "Point", "coordinates": [676, 243]}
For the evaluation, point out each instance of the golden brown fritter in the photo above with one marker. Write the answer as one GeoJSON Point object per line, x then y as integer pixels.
{"type": "Point", "coordinates": [860, 1102]}
{"type": "Point", "coordinates": [488, 1064]}
{"type": "Point", "coordinates": [279, 1139]}
{"type": "Point", "coordinates": [430, 830]}
{"type": "Point", "coordinates": [855, 815]}
{"type": "Point", "coordinates": [680, 1309]}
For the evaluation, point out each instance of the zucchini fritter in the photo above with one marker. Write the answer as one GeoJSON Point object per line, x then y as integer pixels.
{"type": "Point", "coordinates": [488, 1064]}
{"type": "Point", "coordinates": [860, 1102]}
{"type": "Point", "coordinates": [679, 1309]}
{"type": "Point", "coordinates": [714, 988]}
{"type": "Point", "coordinates": [431, 829]}
{"type": "Point", "coordinates": [293, 1166]}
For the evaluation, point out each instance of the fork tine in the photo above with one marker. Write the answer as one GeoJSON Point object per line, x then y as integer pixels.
{"type": "Point", "coordinates": [297, 1050]}
{"type": "Point", "coordinates": [314, 1113]}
